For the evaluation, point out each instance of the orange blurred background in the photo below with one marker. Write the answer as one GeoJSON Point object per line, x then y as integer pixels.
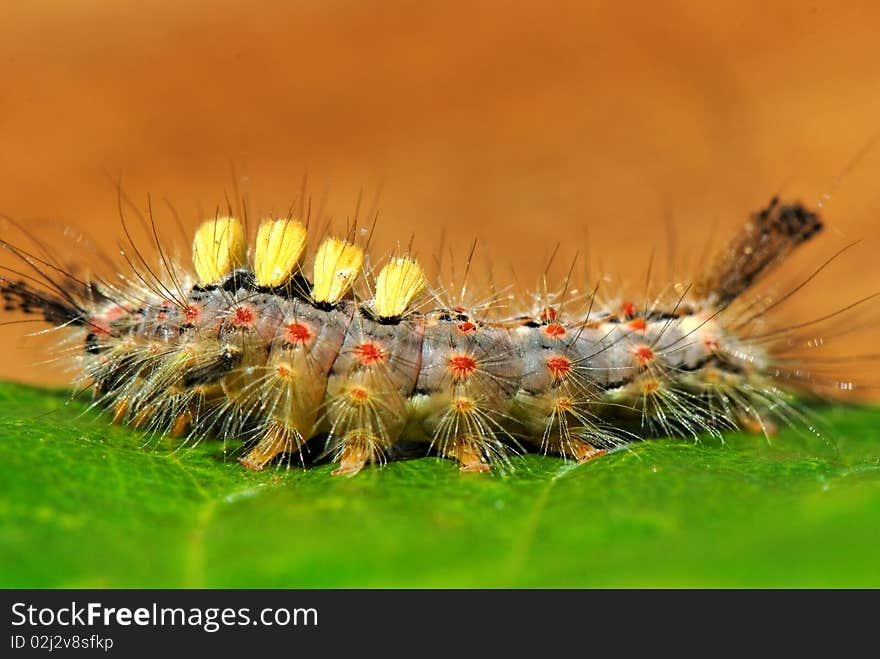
{"type": "Point", "coordinates": [512, 123]}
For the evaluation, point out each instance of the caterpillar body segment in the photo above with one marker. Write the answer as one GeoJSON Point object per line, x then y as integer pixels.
{"type": "Point", "coordinates": [367, 393]}
{"type": "Point", "coordinates": [253, 350]}
{"type": "Point", "coordinates": [293, 382]}
{"type": "Point", "coordinates": [561, 388]}
{"type": "Point", "coordinates": [469, 373]}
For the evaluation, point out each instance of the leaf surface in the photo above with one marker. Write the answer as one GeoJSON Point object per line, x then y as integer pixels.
{"type": "Point", "coordinates": [87, 504]}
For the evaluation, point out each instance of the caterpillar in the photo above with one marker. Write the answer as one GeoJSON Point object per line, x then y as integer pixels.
{"type": "Point", "coordinates": [252, 345]}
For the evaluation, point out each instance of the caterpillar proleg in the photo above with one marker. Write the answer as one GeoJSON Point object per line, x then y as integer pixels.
{"type": "Point", "coordinates": [284, 352]}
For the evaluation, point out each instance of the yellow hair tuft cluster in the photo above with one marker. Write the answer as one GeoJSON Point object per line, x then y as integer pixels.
{"type": "Point", "coordinates": [337, 264]}
{"type": "Point", "coordinates": [279, 248]}
{"type": "Point", "coordinates": [219, 247]}
{"type": "Point", "coordinates": [396, 286]}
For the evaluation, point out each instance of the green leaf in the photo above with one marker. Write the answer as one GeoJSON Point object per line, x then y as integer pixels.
{"type": "Point", "coordinates": [88, 504]}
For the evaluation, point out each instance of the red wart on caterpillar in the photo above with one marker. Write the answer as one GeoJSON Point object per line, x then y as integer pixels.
{"type": "Point", "coordinates": [257, 347]}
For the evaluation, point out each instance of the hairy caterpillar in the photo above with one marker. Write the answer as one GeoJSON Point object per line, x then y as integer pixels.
{"type": "Point", "coordinates": [255, 346]}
